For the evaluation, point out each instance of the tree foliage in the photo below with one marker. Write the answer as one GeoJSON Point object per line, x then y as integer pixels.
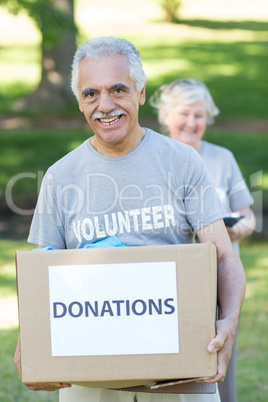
{"type": "Point", "coordinates": [55, 20]}
{"type": "Point", "coordinates": [49, 15]}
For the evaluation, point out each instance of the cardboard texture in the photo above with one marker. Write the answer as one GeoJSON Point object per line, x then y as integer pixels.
{"type": "Point", "coordinates": [196, 292]}
{"type": "Point", "coordinates": [190, 387]}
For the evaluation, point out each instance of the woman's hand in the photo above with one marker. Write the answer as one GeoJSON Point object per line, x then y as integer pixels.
{"type": "Point", "coordinates": [235, 232]}
{"type": "Point", "coordinates": [244, 227]}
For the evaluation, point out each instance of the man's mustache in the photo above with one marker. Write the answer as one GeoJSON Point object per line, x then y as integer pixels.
{"type": "Point", "coordinates": [99, 115]}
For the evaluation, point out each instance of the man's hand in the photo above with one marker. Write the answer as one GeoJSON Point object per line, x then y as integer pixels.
{"type": "Point", "coordinates": [46, 386]}
{"type": "Point", "coordinates": [231, 283]}
{"type": "Point", "coordinates": [223, 344]}
{"type": "Point", "coordinates": [37, 386]}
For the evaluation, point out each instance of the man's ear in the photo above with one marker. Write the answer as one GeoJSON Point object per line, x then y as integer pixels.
{"type": "Point", "coordinates": [142, 96]}
{"type": "Point", "coordinates": [80, 107]}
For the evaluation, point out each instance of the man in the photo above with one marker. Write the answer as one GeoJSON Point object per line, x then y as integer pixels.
{"type": "Point", "coordinates": [138, 185]}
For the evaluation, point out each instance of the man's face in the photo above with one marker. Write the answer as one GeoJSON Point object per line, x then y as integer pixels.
{"type": "Point", "coordinates": [109, 99]}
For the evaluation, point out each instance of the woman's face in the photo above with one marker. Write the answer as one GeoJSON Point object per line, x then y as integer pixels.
{"type": "Point", "coordinates": [187, 123]}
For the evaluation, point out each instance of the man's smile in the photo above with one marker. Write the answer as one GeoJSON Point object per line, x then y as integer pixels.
{"type": "Point", "coordinates": [109, 121]}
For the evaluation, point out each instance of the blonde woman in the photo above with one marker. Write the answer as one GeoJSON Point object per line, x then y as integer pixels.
{"type": "Point", "coordinates": [185, 108]}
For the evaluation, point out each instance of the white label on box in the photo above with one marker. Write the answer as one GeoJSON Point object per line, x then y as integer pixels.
{"type": "Point", "coordinates": [114, 309]}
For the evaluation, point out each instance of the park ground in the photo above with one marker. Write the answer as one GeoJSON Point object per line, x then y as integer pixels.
{"type": "Point", "coordinates": [223, 43]}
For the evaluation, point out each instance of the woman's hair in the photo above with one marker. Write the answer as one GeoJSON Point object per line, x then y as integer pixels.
{"type": "Point", "coordinates": [103, 47]}
{"type": "Point", "coordinates": [185, 92]}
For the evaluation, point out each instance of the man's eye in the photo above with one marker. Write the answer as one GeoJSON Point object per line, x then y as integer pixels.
{"type": "Point", "coordinates": [91, 94]}
{"type": "Point", "coordinates": [118, 90]}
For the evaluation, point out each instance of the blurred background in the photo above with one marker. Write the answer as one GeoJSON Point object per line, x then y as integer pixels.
{"type": "Point", "coordinates": [223, 43]}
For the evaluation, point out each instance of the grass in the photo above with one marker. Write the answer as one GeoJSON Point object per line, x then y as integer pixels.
{"type": "Point", "coordinates": [17, 80]}
{"type": "Point", "coordinates": [26, 155]}
{"type": "Point", "coordinates": [12, 390]}
{"type": "Point", "coordinates": [230, 57]}
{"type": "Point", "coordinates": [32, 152]}
{"type": "Point", "coordinates": [233, 71]}
{"type": "Point", "coordinates": [252, 355]}
{"type": "Point", "coordinates": [249, 150]}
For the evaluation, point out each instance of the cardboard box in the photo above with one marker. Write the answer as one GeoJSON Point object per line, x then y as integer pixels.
{"type": "Point", "coordinates": [45, 311]}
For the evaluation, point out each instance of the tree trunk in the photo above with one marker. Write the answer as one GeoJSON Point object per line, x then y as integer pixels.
{"type": "Point", "coordinates": [54, 91]}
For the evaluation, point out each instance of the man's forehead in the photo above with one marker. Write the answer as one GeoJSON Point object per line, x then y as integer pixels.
{"type": "Point", "coordinates": [116, 61]}
{"type": "Point", "coordinates": [106, 73]}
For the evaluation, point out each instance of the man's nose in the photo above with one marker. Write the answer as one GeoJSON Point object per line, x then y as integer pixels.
{"type": "Point", "coordinates": [106, 103]}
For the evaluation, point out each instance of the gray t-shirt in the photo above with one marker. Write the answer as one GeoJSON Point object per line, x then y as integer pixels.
{"type": "Point", "coordinates": [226, 177]}
{"type": "Point", "coordinates": [157, 194]}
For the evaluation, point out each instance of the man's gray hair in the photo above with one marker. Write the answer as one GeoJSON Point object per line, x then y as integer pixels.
{"type": "Point", "coordinates": [103, 47]}
{"type": "Point", "coordinates": [185, 92]}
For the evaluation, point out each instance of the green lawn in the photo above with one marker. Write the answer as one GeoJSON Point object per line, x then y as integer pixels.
{"type": "Point", "coordinates": [230, 57]}
{"type": "Point", "coordinates": [12, 390]}
{"type": "Point", "coordinates": [26, 155]}
{"type": "Point", "coordinates": [252, 353]}
{"type": "Point", "coordinates": [252, 356]}
{"type": "Point", "coordinates": [233, 71]}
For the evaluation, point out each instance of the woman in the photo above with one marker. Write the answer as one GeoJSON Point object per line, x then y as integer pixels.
{"type": "Point", "coordinates": [185, 107]}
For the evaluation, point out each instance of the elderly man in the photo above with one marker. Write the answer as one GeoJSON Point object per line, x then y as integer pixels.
{"type": "Point", "coordinates": [138, 185]}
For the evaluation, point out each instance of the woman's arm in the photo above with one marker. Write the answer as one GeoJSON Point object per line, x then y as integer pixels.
{"type": "Point", "coordinates": [244, 227]}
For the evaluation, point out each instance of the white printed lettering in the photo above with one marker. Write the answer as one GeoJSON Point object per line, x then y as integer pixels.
{"type": "Point", "coordinates": [87, 223]}
{"type": "Point", "coordinates": [146, 218]}
{"type": "Point", "coordinates": [169, 215]}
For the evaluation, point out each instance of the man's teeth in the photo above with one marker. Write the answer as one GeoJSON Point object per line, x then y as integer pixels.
{"type": "Point", "coordinates": [110, 120]}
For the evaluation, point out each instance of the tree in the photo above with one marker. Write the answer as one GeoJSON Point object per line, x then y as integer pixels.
{"type": "Point", "coordinates": [170, 8]}
{"type": "Point", "coordinates": [55, 19]}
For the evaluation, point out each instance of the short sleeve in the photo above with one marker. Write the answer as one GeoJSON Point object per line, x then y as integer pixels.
{"type": "Point", "coordinates": [202, 203]}
{"type": "Point", "coordinates": [239, 194]}
{"type": "Point", "coordinates": [47, 228]}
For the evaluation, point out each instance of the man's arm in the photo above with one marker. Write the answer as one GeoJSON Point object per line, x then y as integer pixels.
{"type": "Point", "coordinates": [231, 293]}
